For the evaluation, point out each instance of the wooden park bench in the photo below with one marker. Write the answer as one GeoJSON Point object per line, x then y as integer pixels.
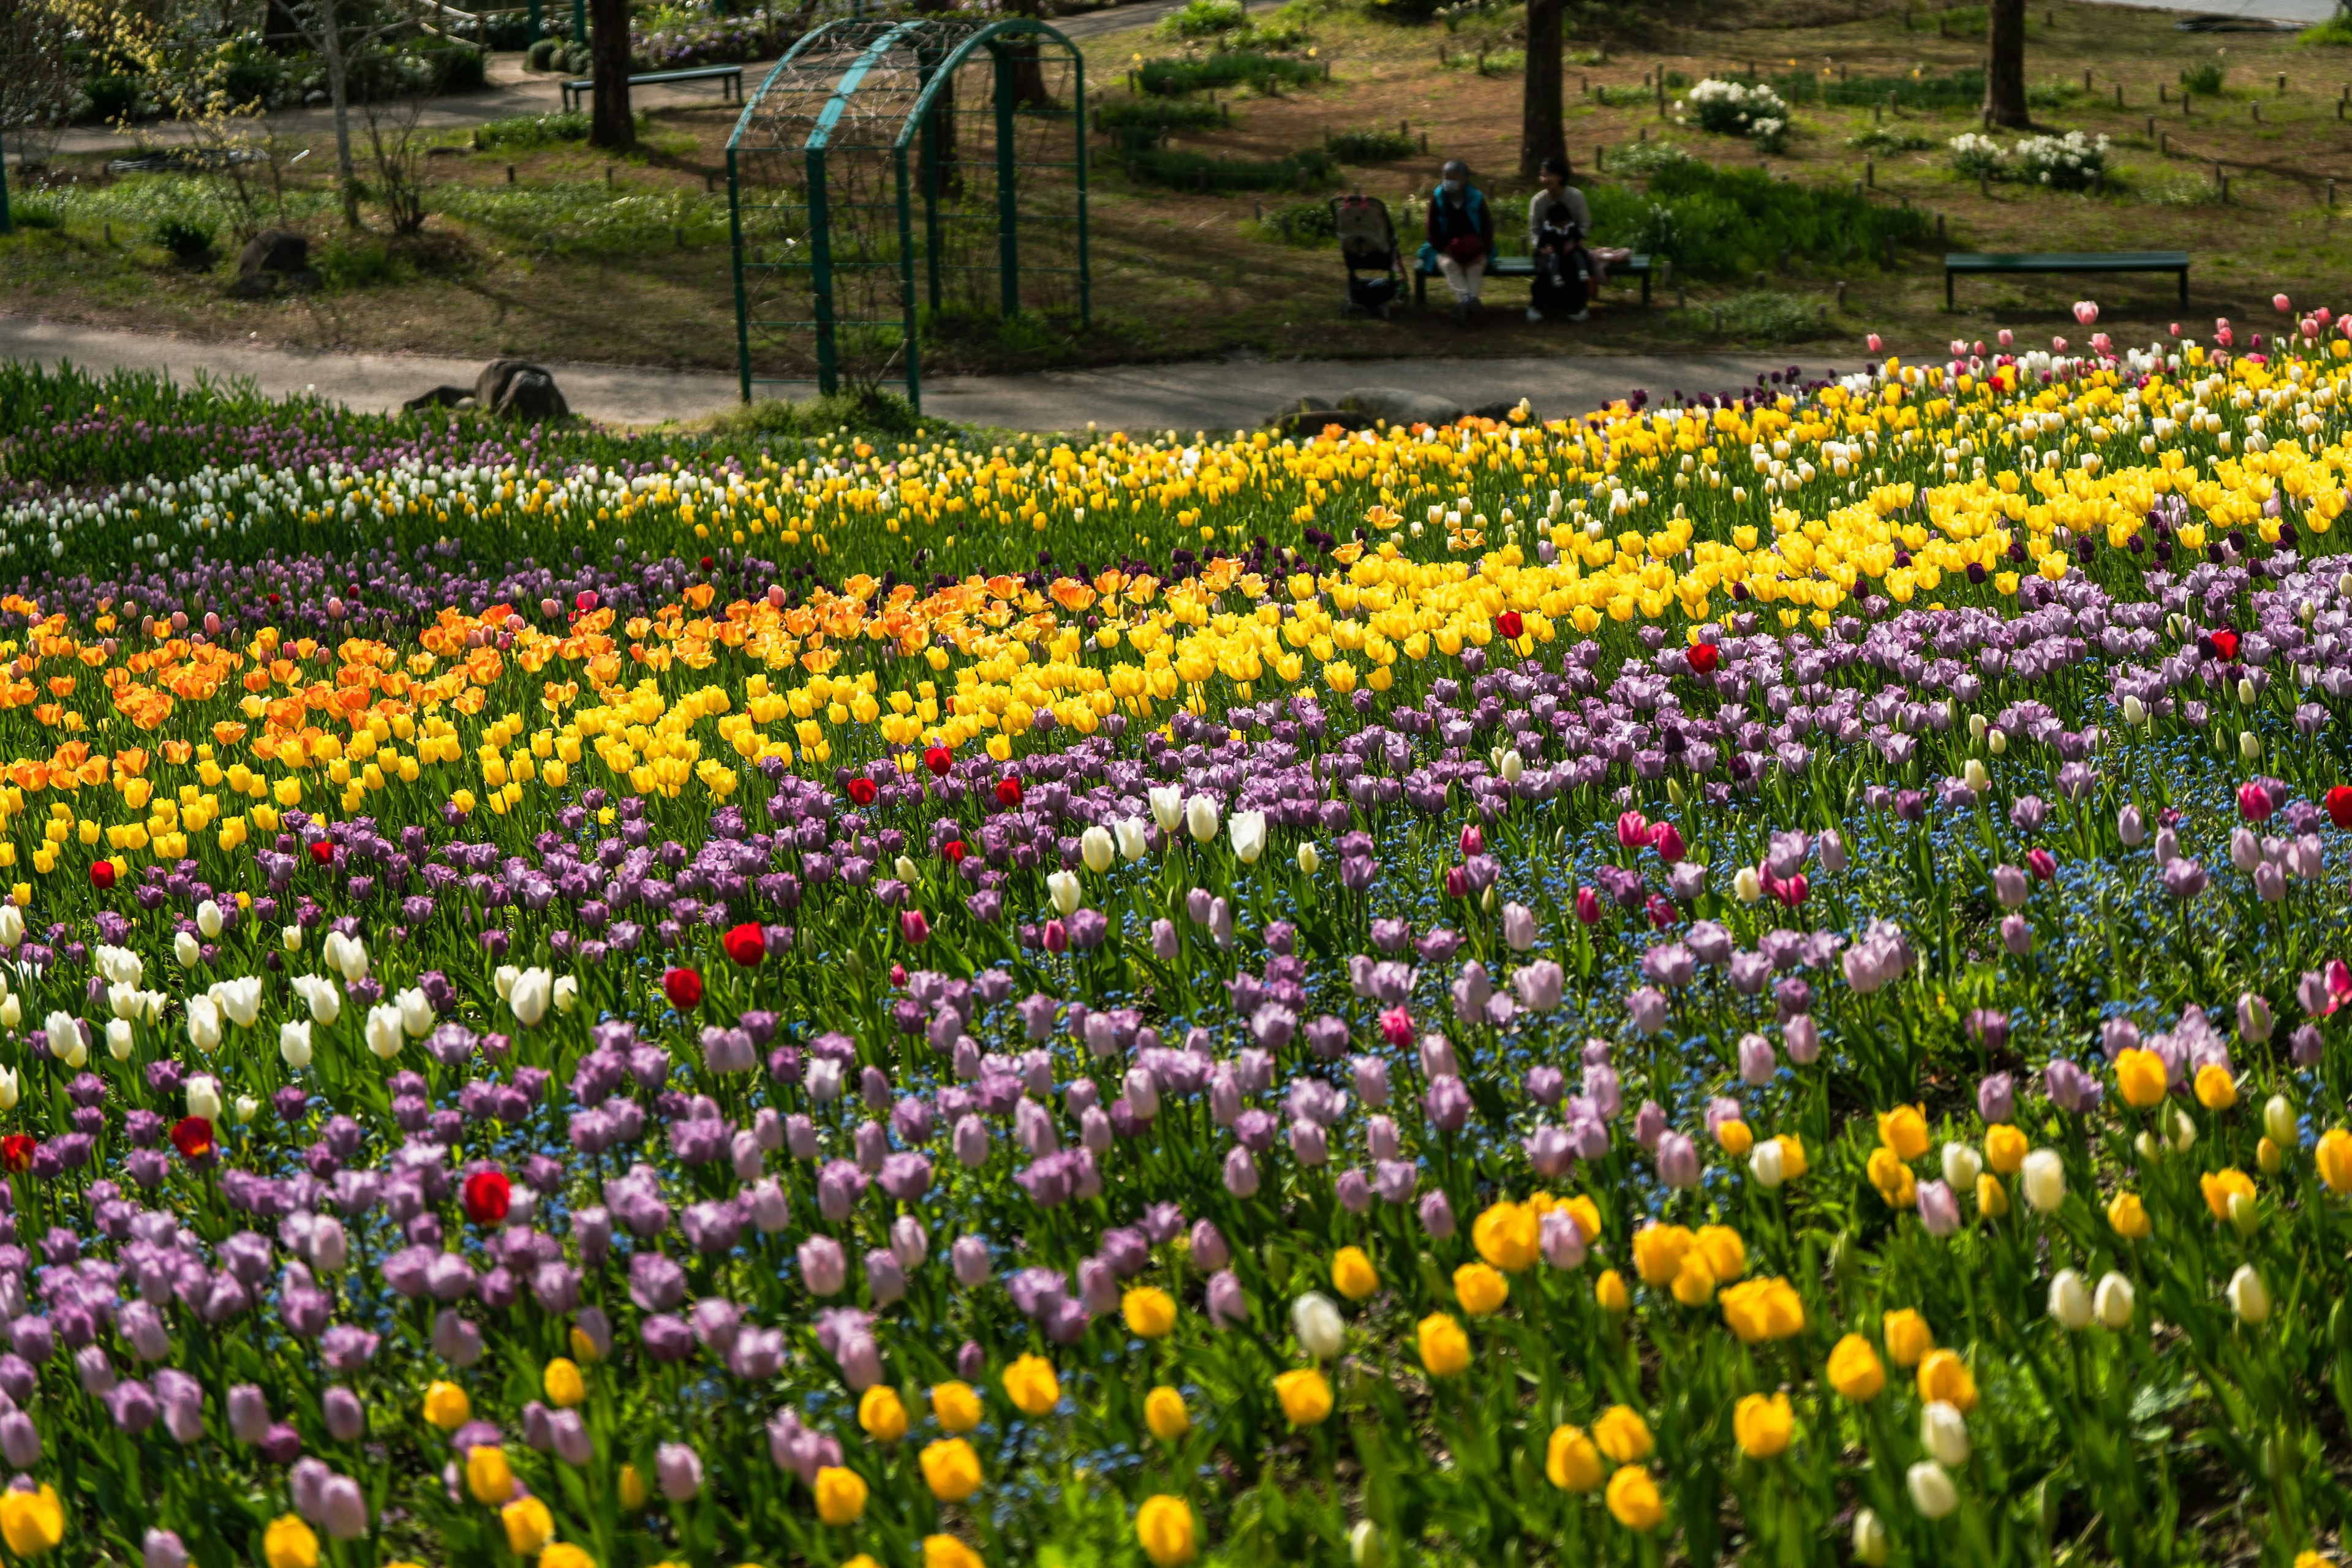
{"type": "Point", "coordinates": [1525, 266]}
{"type": "Point", "coordinates": [576, 91]}
{"type": "Point", "coordinates": [2173, 261]}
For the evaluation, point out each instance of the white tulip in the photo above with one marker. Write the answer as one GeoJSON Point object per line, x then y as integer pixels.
{"type": "Point", "coordinates": [2115, 1300]}
{"type": "Point", "coordinates": [2184, 1132]}
{"type": "Point", "coordinates": [1974, 773]}
{"type": "Point", "coordinates": [8, 1088]}
{"type": "Point", "coordinates": [1132, 841]}
{"type": "Point", "coordinates": [1309, 860]}
{"type": "Point", "coordinates": [209, 920]}
{"type": "Point", "coordinates": [330, 951]}
{"type": "Point", "coordinates": [239, 999]}
{"type": "Point", "coordinates": [1067, 891]}
{"type": "Point", "coordinates": [825, 1080]}
{"type": "Point", "coordinates": [65, 1039]}
{"type": "Point", "coordinates": [1870, 1541]}
{"type": "Point", "coordinates": [1167, 806]}
{"type": "Point", "coordinates": [11, 1012]}
{"type": "Point", "coordinates": [353, 966]}
{"type": "Point", "coordinates": [529, 995]}
{"type": "Point", "coordinates": [503, 980]}
{"type": "Point", "coordinates": [2279, 1123]}
{"type": "Point", "coordinates": [567, 994]}
{"type": "Point", "coordinates": [2248, 1297]}
{"type": "Point", "coordinates": [2069, 1301]}
{"type": "Point", "coordinates": [292, 937]}
{"type": "Point", "coordinates": [383, 1033]}
{"type": "Point", "coordinates": [2043, 1179]}
{"type": "Point", "coordinates": [1962, 1166]}
{"type": "Point", "coordinates": [119, 1041]}
{"type": "Point", "coordinates": [1322, 1331]}
{"type": "Point", "coordinates": [294, 1043]}
{"type": "Point", "coordinates": [1513, 766]}
{"type": "Point", "coordinates": [1200, 819]}
{"type": "Point", "coordinates": [122, 1001]}
{"type": "Point", "coordinates": [204, 1097]}
{"type": "Point", "coordinates": [322, 997]}
{"type": "Point", "coordinates": [184, 951]}
{"type": "Point", "coordinates": [1249, 836]}
{"type": "Point", "coordinates": [1931, 1489]}
{"type": "Point", "coordinates": [1746, 885]}
{"type": "Point", "coordinates": [415, 1013]}
{"type": "Point", "coordinates": [12, 925]}
{"type": "Point", "coordinates": [1768, 1164]}
{"type": "Point", "coordinates": [248, 1107]}
{"type": "Point", "coordinates": [1096, 846]}
{"type": "Point", "coordinates": [1944, 1432]}
{"type": "Point", "coordinates": [119, 965]}
{"type": "Point", "coordinates": [906, 870]}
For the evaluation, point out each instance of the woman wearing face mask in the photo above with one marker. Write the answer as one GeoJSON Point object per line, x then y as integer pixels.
{"type": "Point", "coordinates": [1461, 234]}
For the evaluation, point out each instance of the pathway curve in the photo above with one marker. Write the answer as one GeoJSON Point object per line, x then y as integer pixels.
{"type": "Point", "coordinates": [1218, 395]}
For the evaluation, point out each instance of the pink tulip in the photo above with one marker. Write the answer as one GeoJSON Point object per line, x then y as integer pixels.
{"type": "Point", "coordinates": [1873, 343]}
{"type": "Point", "coordinates": [2007, 337]}
{"type": "Point", "coordinates": [2175, 329]}
{"type": "Point", "coordinates": [2086, 310]}
{"type": "Point", "coordinates": [2057, 345]}
{"type": "Point", "coordinates": [2281, 304]}
{"type": "Point", "coordinates": [2101, 343]}
{"type": "Point", "coordinates": [1978, 350]}
{"type": "Point", "coordinates": [1633, 830]}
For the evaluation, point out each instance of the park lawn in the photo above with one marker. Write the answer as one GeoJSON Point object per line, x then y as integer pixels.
{"type": "Point", "coordinates": [1183, 274]}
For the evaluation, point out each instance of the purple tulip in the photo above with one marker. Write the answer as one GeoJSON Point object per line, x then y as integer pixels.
{"type": "Point", "coordinates": [823, 1268]}
{"type": "Point", "coordinates": [1997, 1098]}
{"type": "Point", "coordinates": [677, 1468]}
{"type": "Point", "coordinates": [1437, 1215]}
{"type": "Point", "coordinates": [1677, 1160]}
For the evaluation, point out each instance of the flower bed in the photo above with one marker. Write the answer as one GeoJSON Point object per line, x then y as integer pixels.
{"type": "Point", "coordinates": [1754, 977]}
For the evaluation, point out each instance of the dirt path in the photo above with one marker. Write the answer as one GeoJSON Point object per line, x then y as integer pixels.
{"type": "Point", "coordinates": [1211, 396]}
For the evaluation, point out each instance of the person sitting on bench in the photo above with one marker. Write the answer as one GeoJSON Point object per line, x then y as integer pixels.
{"type": "Point", "coordinates": [1461, 234]}
{"type": "Point", "coordinates": [1560, 204]}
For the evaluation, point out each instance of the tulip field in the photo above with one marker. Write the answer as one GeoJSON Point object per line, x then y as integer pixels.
{"type": "Point", "coordinates": [1750, 978]}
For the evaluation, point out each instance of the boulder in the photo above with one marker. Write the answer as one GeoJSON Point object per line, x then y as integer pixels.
{"type": "Point", "coordinates": [520, 390]}
{"type": "Point", "coordinates": [1398, 407]}
{"type": "Point", "coordinates": [279, 250]}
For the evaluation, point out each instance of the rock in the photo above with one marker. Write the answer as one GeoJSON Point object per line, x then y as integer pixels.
{"type": "Point", "coordinates": [275, 250]}
{"type": "Point", "coordinates": [444, 396]}
{"type": "Point", "coordinates": [253, 285]}
{"type": "Point", "coordinates": [520, 390]}
{"type": "Point", "coordinates": [1398, 407]}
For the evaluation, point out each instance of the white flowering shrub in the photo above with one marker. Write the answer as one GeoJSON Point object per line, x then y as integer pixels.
{"type": "Point", "coordinates": [1977, 154]}
{"type": "Point", "coordinates": [2068, 163]}
{"type": "Point", "coordinates": [1733, 109]}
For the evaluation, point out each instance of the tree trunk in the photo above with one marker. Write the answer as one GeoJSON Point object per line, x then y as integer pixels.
{"type": "Point", "coordinates": [1542, 133]}
{"type": "Point", "coordinates": [331, 44]}
{"type": "Point", "coordinates": [613, 125]}
{"type": "Point", "coordinates": [2005, 65]}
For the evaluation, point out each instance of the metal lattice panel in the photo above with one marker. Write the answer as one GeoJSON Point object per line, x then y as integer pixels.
{"type": "Point", "coordinates": [890, 169]}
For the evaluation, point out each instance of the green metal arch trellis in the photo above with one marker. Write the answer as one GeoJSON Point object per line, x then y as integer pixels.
{"type": "Point", "coordinates": [888, 168]}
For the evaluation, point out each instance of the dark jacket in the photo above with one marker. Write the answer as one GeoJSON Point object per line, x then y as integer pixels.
{"type": "Point", "coordinates": [1472, 220]}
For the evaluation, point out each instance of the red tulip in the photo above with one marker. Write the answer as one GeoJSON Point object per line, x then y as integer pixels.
{"type": "Point", "coordinates": [1704, 658]}
{"type": "Point", "coordinates": [1791, 892]}
{"type": "Point", "coordinates": [2255, 802]}
{"type": "Point", "coordinates": [193, 1137]}
{"type": "Point", "coordinates": [955, 851]}
{"type": "Point", "coordinates": [746, 944]}
{"type": "Point", "coordinates": [2041, 864]}
{"type": "Point", "coordinates": [861, 790]}
{"type": "Point", "coordinates": [683, 987]}
{"type": "Point", "coordinates": [1667, 839]}
{"type": "Point", "coordinates": [16, 1151]}
{"type": "Point", "coordinates": [914, 926]}
{"type": "Point", "coordinates": [1510, 624]}
{"type": "Point", "coordinates": [1588, 907]}
{"type": "Point", "coordinates": [585, 600]}
{"type": "Point", "coordinates": [1633, 830]}
{"type": "Point", "coordinates": [1008, 792]}
{"type": "Point", "coordinates": [938, 759]}
{"type": "Point", "coordinates": [1474, 842]}
{"type": "Point", "coordinates": [487, 1195]}
{"type": "Point", "coordinates": [2339, 805]}
{"type": "Point", "coordinates": [2225, 643]}
{"type": "Point", "coordinates": [102, 875]}
{"type": "Point", "coordinates": [322, 853]}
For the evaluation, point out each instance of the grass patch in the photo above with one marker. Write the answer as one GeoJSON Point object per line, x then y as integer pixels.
{"type": "Point", "coordinates": [1226, 68]}
{"type": "Point", "coordinates": [357, 262]}
{"type": "Point", "coordinates": [1183, 170]}
{"type": "Point", "coordinates": [521, 132]}
{"type": "Point", "coordinates": [1378, 146]}
{"type": "Point", "coordinates": [2182, 191]}
{"type": "Point", "coordinates": [2334, 33]}
{"type": "Point", "coordinates": [1156, 115]}
{"type": "Point", "coordinates": [2205, 79]}
{"type": "Point", "coordinates": [1758, 315]}
{"type": "Point", "coordinates": [1882, 138]}
{"type": "Point", "coordinates": [1725, 222]}
{"type": "Point", "coordinates": [1301, 222]}
{"type": "Point", "coordinates": [862, 410]}
{"type": "Point", "coordinates": [587, 217]}
{"type": "Point", "coordinates": [1955, 89]}
{"type": "Point", "coordinates": [1204, 19]}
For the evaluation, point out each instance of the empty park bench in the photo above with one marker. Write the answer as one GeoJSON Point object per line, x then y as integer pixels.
{"type": "Point", "coordinates": [2173, 261]}
{"type": "Point", "coordinates": [576, 91]}
{"type": "Point", "coordinates": [1525, 266]}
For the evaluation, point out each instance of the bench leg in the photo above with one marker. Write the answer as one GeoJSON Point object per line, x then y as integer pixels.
{"type": "Point", "coordinates": [1948, 288]}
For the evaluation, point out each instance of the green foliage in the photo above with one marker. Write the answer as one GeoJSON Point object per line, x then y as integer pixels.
{"type": "Point", "coordinates": [1645, 158]}
{"type": "Point", "coordinates": [187, 238]}
{"type": "Point", "coordinates": [2053, 94]}
{"type": "Point", "coordinates": [520, 133]}
{"type": "Point", "coordinates": [864, 410]}
{"type": "Point", "coordinates": [1229, 67]}
{"type": "Point", "coordinates": [1305, 170]}
{"type": "Point", "coordinates": [1884, 139]}
{"type": "Point", "coordinates": [1960, 89]}
{"type": "Point", "coordinates": [1301, 222]}
{"type": "Point", "coordinates": [356, 262]}
{"type": "Point", "coordinates": [1759, 314]}
{"type": "Point", "coordinates": [110, 97]}
{"type": "Point", "coordinates": [1728, 223]}
{"type": "Point", "coordinates": [1204, 19]}
{"type": "Point", "coordinates": [1377, 146]}
{"type": "Point", "coordinates": [2205, 79]}
{"type": "Point", "coordinates": [1149, 117]}
{"type": "Point", "coordinates": [2334, 33]}
{"type": "Point", "coordinates": [585, 217]}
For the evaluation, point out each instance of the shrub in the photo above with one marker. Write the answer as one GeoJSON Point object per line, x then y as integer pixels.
{"type": "Point", "coordinates": [1229, 67]}
{"type": "Point", "coordinates": [2070, 163]}
{"type": "Point", "coordinates": [1147, 117]}
{"type": "Point", "coordinates": [1647, 158]}
{"type": "Point", "coordinates": [1732, 109]}
{"type": "Point", "coordinates": [111, 97]}
{"type": "Point", "coordinates": [1303, 170]}
{"type": "Point", "coordinates": [1973, 153]}
{"type": "Point", "coordinates": [1378, 146]}
{"type": "Point", "coordinates": [1886, 139]}
{"type": "Point", "coordinates": [522, 132]}
{"type": "Point", "coordinates": [1726, 223]}
{"type": "Point", "coordinates": [2334, 33]}
{"type": "Point", "coordinates": [865, 410]}
{"type": "Point", "coordinates": [2205, 78]}
{"type": "Point", "coordinates": [1302, 223]}
{"type": "Point", "coordinates": [1204, 19]}
{"type": "Point", "coordinates": [187, 238]}
{"type": "Point", "coordinates": [357, 263]}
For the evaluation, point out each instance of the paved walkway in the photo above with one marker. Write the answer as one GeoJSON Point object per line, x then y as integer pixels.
{"type": "Point", "coordinates": [1209, 395]}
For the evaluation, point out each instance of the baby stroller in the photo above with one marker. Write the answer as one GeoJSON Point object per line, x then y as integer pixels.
{"type": "Point", "coordinates": [1368, 244]}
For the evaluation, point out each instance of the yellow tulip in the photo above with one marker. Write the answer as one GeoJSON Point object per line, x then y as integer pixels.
{"type": "Point", "coordinates": [1164, 1414]}
{"type": "Point", "coordinates": [446, 1406]}
{"type": "Point", "coordinates": [1893, 1178]}
{"type": "Point", "coordinates": [1762, 1309]}
{"type": "Point", "coordinates": [1032, 1386]}
{"type": "Point", "coordinates": [1633, 1499]}
{"type": "Point", "coordinates": [840, 1496]}
{"type": "Point", "coordinates": [1736, 1138]}
{"type": "Point", "coordinates": [33, 1523]}
{"type": "Point", "coordinates": [950, 1469]}
{"type": "Point", "coordinates": [1352, 1274]}
{"type": "Point", "coordinates": [1587, 1215]}
{"type": "Point", "coordinates": [1992, 1198]}
{"type": "Point", "coordinates": [2005, 1148]}
{"type": "Point", "coordinates": [956, 1405]}
{"type": "Point", "coordinates": [529, 1525]}
{"type": "Point", "coordinates": [1150, 1312]}
{"type": "Point", "coordinates": [1570, 1461]}
{"type": "Point", "coordinates": [1792, 1156]}
{"type": "Point", "coordinates": [1903, 1129]}
{"type": "Point", "coordinates": [1163, 1526]}
{"type": "Point", "coordinates": [1610, 1291]}
{"type": "Point", "coordinates": [1508, 1234]}
{"type": "Point", "coordinates": [562, 1384]}
{"type": "Point", "coordinates": [2140, 1077]}
{"type": "Point", "coordinates": [1445, 1348]}
{"type": "Point", "coordinates": [1907, 1337]}
{"type": "Point", "coordinates": [2128, 1216]}
{"type": "Point", "coordinates": [488, 1476]}
{"type": "Point", "coordinates": [1854, 1371]}
{"type": "Point", "coordinates": [563, 1554]}
{"type": "Point", "coordinates": [1306, 1396]}
{"type": "Point", "coordinates": [1761, 1425]}
{"type": "Point", "coordinates": [634, 1493]}
{"type": "Point", "coordinates": [1623, 1435]}
{"type": "Point", "coordinates": [1726, 1254]}
{"type": "Point", "coordinates": [287, 1544]}
{"type": "Point", "coordinates": [1659, 1251]}
{"type": "Point", "coordinates": [2216, 1090]}
{"type": "Point", "coordinates": [1944, 1375]}
{"type": "Point", "coordinates": [947, 1552]}
{"type": "Point", "coordinates": [2335, 1157]}
{"type": "Point", "coordinates": [1480, 1290]}
{"type": "Point", "coordinates": [2220, 1186]}
{"type": "Point", "coordinates": [1694, 1283]}
{"type": "Point", "coordinates": [881, 1414]}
